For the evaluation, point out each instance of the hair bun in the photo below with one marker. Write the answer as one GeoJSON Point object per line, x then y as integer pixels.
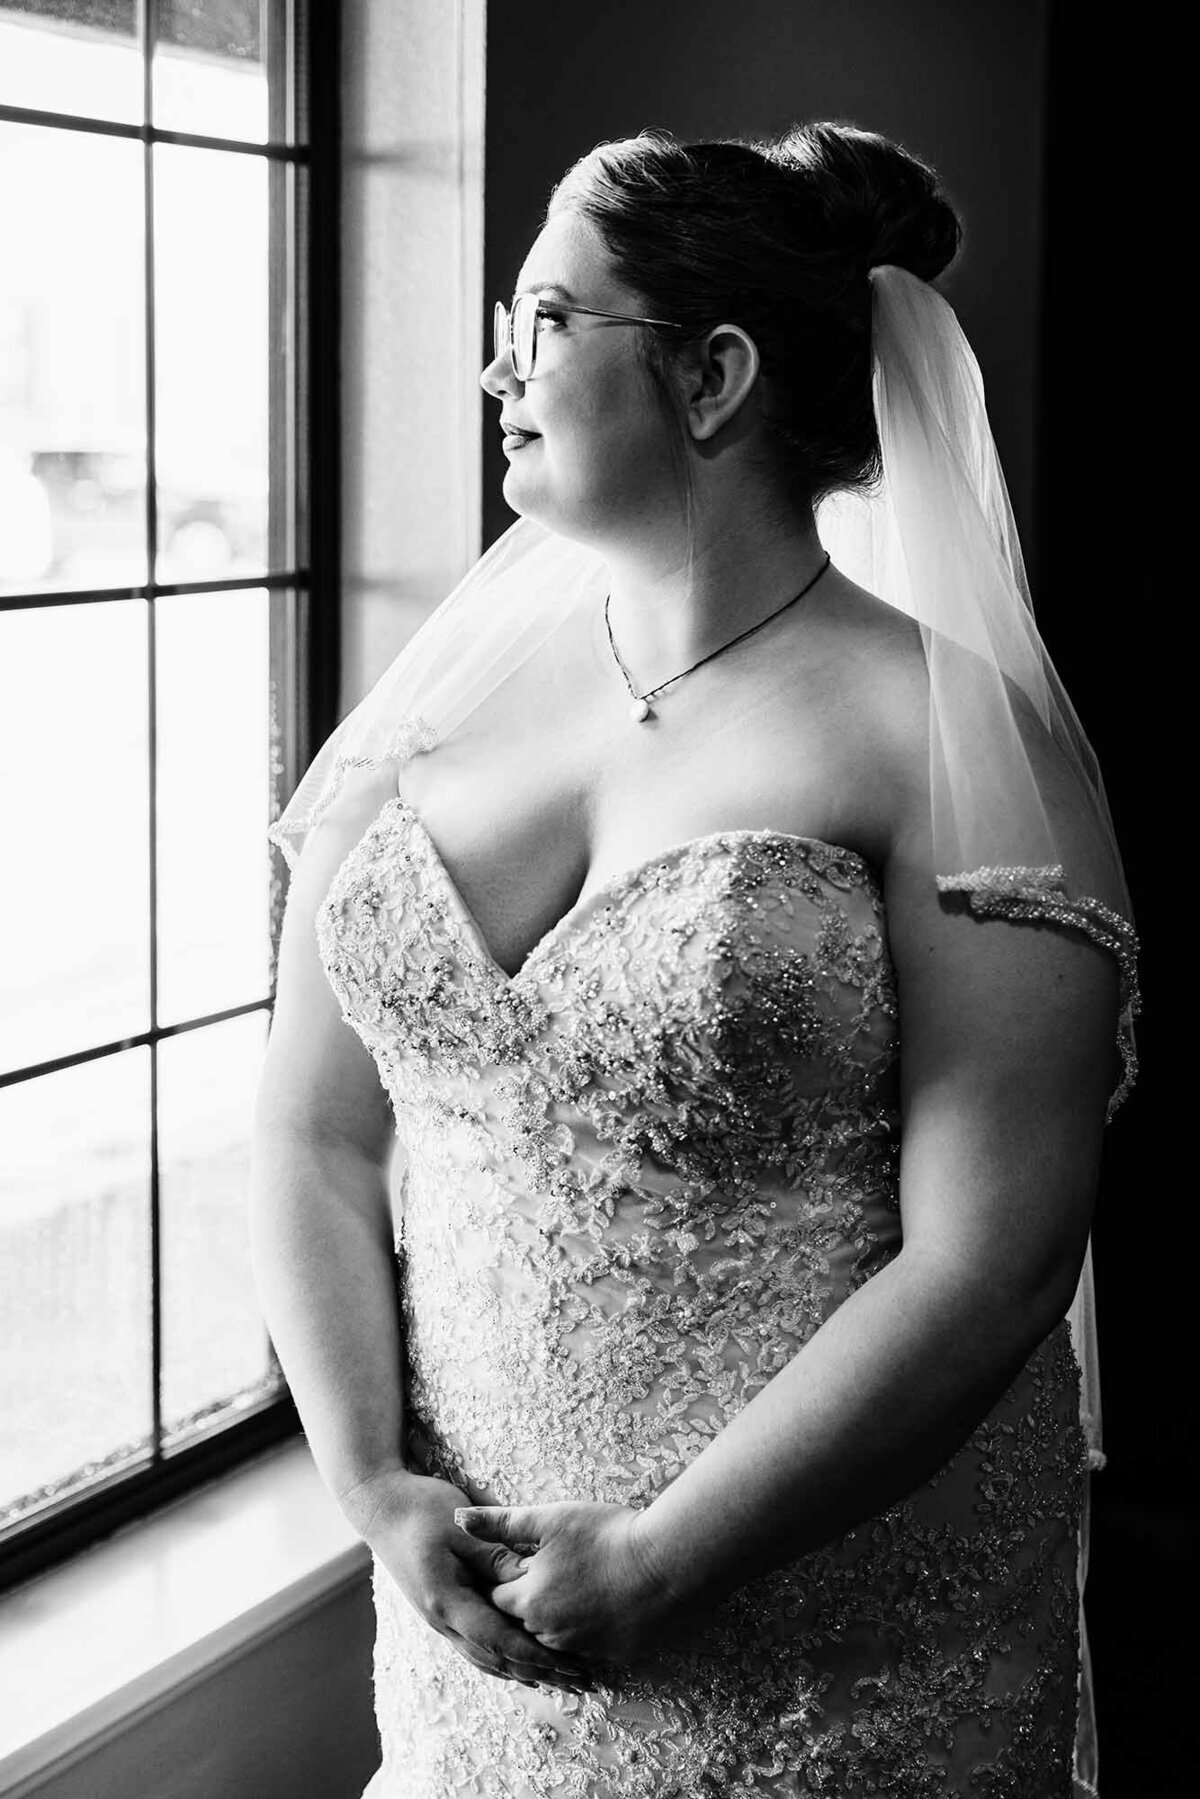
{"type": "Point", "coordinates": [879, 200]}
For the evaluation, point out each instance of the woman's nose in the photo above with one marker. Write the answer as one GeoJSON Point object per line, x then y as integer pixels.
{"type": "Point", "coordinates": [497, 379]}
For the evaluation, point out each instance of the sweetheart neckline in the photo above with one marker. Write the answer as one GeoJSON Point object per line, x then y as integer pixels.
{"type": "Point", "coordinates": [626, 876]}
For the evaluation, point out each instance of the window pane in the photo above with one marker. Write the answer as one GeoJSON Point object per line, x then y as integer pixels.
{"type": "Point", "coordinates": [72, 361]}
{"type": "Point", "coordinates": [214, 1341]}
{"type": "Point", "coordinates": [210, 67]}
{"type": "Point", "coordinates": [211, 360]}
{"type": "Point", "coordinates": [74, 1275]}
{"type": "Point", "coordinates": [74, 797]}
{"type": "Point", "coordinates": [213, 802]}
{"type": "Point", "coordinates": [75, 56]}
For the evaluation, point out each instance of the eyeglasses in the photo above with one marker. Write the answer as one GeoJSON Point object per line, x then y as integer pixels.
{"type": "Point", "coordinates": [516, 332]}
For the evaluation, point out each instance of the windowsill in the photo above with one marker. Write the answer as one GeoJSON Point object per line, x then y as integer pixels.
{"type": "Point", "coordinates": [111, 1634]}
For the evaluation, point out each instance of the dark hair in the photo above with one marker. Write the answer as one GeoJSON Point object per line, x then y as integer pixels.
{"type": "Point", "coordinates": [777, 237]}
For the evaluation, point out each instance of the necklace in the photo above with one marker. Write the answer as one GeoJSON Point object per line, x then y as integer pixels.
{"type": "Point", "coordinates": [639, 711]}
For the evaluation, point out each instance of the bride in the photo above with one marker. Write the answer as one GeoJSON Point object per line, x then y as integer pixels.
{"type": "Point", "coordinates": [717, 901]}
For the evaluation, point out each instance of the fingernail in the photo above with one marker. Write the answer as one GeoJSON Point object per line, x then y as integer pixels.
{"type": "Point", "coordinates": [464, 1516]}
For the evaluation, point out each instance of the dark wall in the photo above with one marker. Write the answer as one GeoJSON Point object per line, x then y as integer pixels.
{"type": "Point", "coordinates": [1112, 432]}
{"type": "Point", "coordinates": [960, 85]}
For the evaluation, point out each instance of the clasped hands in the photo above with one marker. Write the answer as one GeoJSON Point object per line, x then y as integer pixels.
{"type": "Point", "coordinates": [580, 1576]}
{"type": "Point", "coordinates": [541, 1594]}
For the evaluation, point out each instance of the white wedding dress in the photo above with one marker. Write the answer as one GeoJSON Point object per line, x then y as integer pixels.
{"type": "Point", "coordinates": [640, 1174]}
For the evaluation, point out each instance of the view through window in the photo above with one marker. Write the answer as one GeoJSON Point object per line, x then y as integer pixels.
{"type": "Point", "coordinates": [152, 192]}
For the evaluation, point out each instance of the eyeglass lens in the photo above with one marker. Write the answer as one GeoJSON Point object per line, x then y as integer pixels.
{"type": "Point", "coordinates": [517, 333]}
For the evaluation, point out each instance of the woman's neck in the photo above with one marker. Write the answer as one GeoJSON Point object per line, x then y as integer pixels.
{"type": "Point", "coordinates": [667, 611]}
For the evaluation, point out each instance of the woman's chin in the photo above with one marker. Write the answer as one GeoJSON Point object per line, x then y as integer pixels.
{"type": "Point", "coordinates": [586, 520]}
{"type": "Point", "coordinates": [518, 493]}
{"type": "Point", "coordinates": [522, 496]}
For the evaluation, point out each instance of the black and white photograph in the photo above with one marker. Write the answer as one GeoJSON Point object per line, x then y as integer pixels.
{"type": "Point", "coordinates": [588, 1208]}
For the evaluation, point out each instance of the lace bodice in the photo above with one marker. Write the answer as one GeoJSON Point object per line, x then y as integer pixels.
{"type": "Point", "coordinates": [640, 1174]}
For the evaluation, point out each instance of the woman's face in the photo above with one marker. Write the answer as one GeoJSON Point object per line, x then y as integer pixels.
{"type": "Point", "coordinates": [598, 462]}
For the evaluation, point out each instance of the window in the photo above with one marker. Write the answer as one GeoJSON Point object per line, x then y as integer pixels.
{"type": "Point", "coordinates": [168, 501]}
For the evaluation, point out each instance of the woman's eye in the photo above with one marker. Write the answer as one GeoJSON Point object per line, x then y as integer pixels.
{"type": "Point", "coordinates": [549, 316]}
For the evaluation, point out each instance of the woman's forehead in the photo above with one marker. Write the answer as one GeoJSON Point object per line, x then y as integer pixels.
{"type": "Point", "coordinates": [568, 261]}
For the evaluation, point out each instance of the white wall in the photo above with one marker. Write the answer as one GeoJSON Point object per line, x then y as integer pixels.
{"type": "Point", "coordinates": [289, 1718]}
{"type": "Point", "coordinates": [412, 299]}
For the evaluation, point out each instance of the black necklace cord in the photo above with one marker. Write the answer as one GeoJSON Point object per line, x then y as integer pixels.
{"type": "Point", "coordinates": [741, 637]}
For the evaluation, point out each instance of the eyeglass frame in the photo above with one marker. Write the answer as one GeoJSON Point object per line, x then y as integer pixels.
{"type": "Point", "coordinates": [506, 344]}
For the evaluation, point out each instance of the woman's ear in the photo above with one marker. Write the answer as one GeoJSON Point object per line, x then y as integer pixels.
{"type": "Point", "coordinates": [720, 374]}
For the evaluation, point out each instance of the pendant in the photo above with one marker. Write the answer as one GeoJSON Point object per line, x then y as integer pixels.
{"type": "Point", "coordinates": [639, 711]}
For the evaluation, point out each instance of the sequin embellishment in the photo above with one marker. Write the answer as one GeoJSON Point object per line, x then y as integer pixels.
{"type": "Point", "coordinates": [640, 1174]}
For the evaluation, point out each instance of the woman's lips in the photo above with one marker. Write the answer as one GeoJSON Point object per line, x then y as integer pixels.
{"type": "Point", "coordinates": [517, 440]}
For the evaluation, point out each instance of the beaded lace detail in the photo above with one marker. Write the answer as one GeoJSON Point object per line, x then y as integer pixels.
{"type": "Point", "coordinates": [412, 737]}
{"type": "Point", "coordinates": [640, 1174]}
{"type": "Point", "coordinates": [1039, 896]}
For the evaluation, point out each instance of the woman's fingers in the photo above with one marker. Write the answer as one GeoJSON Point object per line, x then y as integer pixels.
{"type": "Point", "coordinates": [509, 1603]}
{"type": "Point", "coordinates": [487, 1665]}
{"type": "Point", "coordinates": [493, 1665]}
{"type": "Point", "coordinates": [494, 1562]}
{"type": "Point", "coordinates": [526, 1673]}
{"type": "Point", "coordinates": [489, 1634]}
{"type": "Point", "coordinates": [505, 1523]}
{"type": "Point", "coordinates": [507, 1564]}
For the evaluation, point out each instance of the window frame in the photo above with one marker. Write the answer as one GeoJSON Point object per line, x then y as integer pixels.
{"type": "Point", "coordinates": [303, 154]}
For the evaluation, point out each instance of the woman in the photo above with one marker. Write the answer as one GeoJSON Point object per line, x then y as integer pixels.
{"type": "Point", "coordinates": [717, 1426]}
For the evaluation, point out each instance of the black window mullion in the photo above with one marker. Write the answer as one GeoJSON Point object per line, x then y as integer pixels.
{"type": "Point", "coordinates": [284, 458]}
{"type": "Point", "coordinates": [196, 140]}
{"type": "Point", "coordinates": [148, 21]}
{"type": "Point", "coordinates": [92, 596]}
{"type": "Point", "coordinates": [12, 1077]}
{"type": "Point", "coordinates": [282, 550]}
{"type": "Point", "coordinates": [318, 322]}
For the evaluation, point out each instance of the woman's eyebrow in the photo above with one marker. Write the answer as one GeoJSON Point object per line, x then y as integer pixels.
{"type": "Point", "coordinates": [549, 287]}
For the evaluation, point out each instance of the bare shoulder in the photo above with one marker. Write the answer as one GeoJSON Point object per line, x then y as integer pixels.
{"type": "Point", "coordinates": [318, 1079]}
{"type": "Point", "coordinates": [362, 792]}
{"type": "Point", "coordinates": [886, 661]}
{"type": "Point", "coordinates": [876, 684]}
{"type": "Point", "coordinates": [881, 669]}
{"type": "Point", "coordinates": [882, 653]}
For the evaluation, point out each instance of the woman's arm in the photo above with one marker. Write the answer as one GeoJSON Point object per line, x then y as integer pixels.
{"type": "Point", "coordinates": [1007, 1059]}
{"type": "Point", "coordinates": [1007, 1055]}
{"type": "Point", "coordinates": [320, 1225]}
{"type": "Point", "coordinates": [321, 1245]}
